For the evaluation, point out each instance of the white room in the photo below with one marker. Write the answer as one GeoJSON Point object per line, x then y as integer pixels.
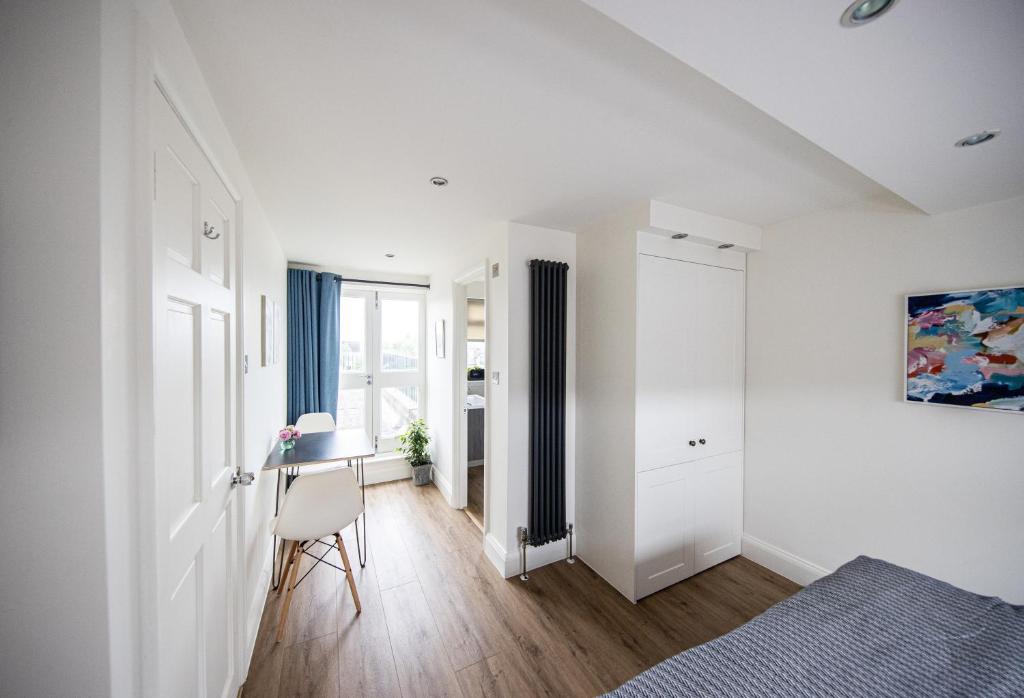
{"type": "Point", "coordinates": [473, 348]}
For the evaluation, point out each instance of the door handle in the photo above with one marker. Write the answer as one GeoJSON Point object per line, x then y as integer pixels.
{"type": "Point", "coordinates": [244, 479]}
{"type": "Point", "coordinates": [369, 379]}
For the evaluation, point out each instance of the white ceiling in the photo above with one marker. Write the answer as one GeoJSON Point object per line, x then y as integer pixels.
{"type": "Point", "coordinates": [540, 112]}
{"type": "Point", "coordinates": [890, 97]}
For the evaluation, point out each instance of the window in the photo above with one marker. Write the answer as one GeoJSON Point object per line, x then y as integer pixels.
{"type": "Point", "coordinates": [382, 374]}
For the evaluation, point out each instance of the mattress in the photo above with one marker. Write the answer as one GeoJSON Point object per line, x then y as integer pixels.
{"type": "Point", "coordinates": [869, 629]}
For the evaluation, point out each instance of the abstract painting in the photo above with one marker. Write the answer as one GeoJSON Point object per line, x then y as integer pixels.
{"type": "Point", "coordinates": [966, 348]}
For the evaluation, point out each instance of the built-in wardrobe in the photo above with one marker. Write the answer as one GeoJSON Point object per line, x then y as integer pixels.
{"type": "Point", "coordinates": [660, 436]}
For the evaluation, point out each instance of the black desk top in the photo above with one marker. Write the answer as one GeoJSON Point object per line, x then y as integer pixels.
{"type": "Point", "coordinates": [321, 447]}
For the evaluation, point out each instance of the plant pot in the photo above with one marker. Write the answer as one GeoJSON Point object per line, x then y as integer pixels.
{"type": "Point", "coordinates": [421, 474]}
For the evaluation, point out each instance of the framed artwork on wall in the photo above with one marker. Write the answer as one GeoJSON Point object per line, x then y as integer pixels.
{"type": "Point", "coordinates": [966, 349]}
{"type": "Point", "coordinates": [266, 331]}
{"type": "Point", "coordinates": [439, 339]}
{"type": "Point", "coordinates": [278, 335]}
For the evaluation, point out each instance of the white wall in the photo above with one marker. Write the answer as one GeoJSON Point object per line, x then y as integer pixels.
{"type": "Point", "coordinates": [606, 387]}
{"type": "Point", "coordinates": [836, 464]}
{"type": "Point", "coordinates": [55, 633]}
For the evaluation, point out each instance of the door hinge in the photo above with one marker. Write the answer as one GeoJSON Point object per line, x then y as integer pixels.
{"type": "Point", "coordinates": [376, 442]}
{"type": "Point", "coordinates": [376, 300]}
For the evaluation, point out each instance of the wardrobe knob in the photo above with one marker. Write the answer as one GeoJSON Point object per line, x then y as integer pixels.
{"type": "Point", "coordinates": [693, 443]}
{"type": "Point", "coordinates": [703, 441]}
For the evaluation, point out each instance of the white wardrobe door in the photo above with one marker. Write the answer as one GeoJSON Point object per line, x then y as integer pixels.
{"type": "Point", "coordinates": [718, 509]}
{"type": "Point", "coordinates": [717, 358]}
{"type": "Point", "coordinates": [664, 527]}
{"type": "Point", "coordinates": [666, 316]}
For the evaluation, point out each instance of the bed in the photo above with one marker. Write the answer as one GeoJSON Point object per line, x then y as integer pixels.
{"type": "Point", "coordinates": [869, 629]}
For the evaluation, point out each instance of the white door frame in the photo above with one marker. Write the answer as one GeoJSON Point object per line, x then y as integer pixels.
{"type": "Point", "coordinates": [149, 72]}
{"type": "Point", "coordinates": [460, 439]}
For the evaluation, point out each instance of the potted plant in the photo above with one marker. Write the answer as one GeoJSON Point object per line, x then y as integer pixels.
{"type": "Point", "coordinates": [414, 447]}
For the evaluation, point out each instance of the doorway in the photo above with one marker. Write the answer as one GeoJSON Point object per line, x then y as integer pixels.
{"type": "Point", "coordinates": [470, 347]}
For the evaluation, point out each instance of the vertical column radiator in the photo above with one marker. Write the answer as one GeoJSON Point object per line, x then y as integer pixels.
{"type": "Point", "coordinates": [547, 487]}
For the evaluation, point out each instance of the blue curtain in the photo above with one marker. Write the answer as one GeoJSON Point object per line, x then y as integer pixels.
{"type": "Point", "coordinates": [314, 350]}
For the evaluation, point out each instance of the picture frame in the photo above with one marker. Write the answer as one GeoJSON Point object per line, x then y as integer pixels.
{"type": "Point", "coordinates": [439, 339]}
{"type": "Point", "coordinates": [963, 349]}
{"type": "Point", "coordinates": [266, 330]}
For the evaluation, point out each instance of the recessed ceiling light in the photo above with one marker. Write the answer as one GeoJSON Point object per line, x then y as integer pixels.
{"type": "Point", "coordinates": [863, 11]}
{"type": "Point", "coordinates": [389, 255]}
{"type": "Point", "coordinates": [977, 138]}
{"type": "Point", "coordinates": [439, 181]}
{"type": "Point", "coordinates": [726, 245]}
{"type": "Point", "coordinates": [680, 236]}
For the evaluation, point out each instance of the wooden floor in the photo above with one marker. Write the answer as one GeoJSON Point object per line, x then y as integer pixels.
{"type": "Point", "coordinates": [438, 619]}
{"type": "Point", "coordinates": [475, 494]}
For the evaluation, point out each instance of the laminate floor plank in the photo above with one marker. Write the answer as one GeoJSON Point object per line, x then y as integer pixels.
{"type": "Point", "coordinates": [420, 658]}
{"type": "Point", "coordinates": [439, 620]}
{"type": "Point", "coordinates": [310, 668]}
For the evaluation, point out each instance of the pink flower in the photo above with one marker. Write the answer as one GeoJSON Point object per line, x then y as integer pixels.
{"type": "Point", "coordinates": [285, 434]}
{"type": "Point", "coordinates": [296, 434]}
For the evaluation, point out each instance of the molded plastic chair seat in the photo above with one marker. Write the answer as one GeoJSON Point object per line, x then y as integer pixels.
{"type": "Point", "coordinates": [312, 422]}
{"type": "Point", "coordinates": [316, 506]}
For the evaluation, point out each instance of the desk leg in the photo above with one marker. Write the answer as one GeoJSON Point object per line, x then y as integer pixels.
{"type": "Point", "coordinates": [277, 559]}
{"type": "Point", "coordinates": [275, 565]}
{"type": "Point", "coordinates": [361, 546]}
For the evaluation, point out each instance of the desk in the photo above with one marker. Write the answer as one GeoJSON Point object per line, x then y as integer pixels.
{"type": "Point", "coordinates": [349, 445]}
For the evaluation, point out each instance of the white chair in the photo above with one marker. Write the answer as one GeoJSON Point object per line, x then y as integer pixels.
{"type": "Point", "coordinates": [317, 506]}
{"type": "Point", "coordinates": [312, 422]}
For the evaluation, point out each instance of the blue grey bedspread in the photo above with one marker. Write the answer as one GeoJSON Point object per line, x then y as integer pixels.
{"type": "Point", "coordinates": [869, 629]}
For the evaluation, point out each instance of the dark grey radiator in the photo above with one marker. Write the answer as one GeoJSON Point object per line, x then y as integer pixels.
{"type": "Point", "coordinates": [547, 521]}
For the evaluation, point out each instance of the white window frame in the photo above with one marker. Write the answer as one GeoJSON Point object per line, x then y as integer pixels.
{"type": "Point", "coordinates": [376, 378]}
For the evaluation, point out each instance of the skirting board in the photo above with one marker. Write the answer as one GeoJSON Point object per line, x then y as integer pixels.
{"type": "Point", "coordinates": [443, 484]}
{"type": "Point", "coordinates": [781, 561]}
{"type": "Point", "coordinates": [508, 564]}
{"type": "Point", "coordinates": [387, 470]}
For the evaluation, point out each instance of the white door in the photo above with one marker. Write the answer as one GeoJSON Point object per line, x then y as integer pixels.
{"type": "Point", "coordinates": [717, 360]}
{"type": "Point", "coordinates": [718, 512]}
{"type": "Point", "coordinates": [194, 389]}
{"type": "Point", "coordinates": [664, 527]}
{"type": "Point", "coordinates": [666, 334]}
{"type": "Point", "coordinates": [355, 385]}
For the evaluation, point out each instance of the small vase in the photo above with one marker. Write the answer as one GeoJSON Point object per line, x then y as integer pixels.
{"type": "Point", "coordinates": [285, 445]}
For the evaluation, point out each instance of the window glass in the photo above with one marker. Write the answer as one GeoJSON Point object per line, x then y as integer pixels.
{"type": "Point", "coordinates": [399, 330]}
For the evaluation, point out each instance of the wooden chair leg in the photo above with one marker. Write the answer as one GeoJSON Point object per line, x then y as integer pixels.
{"type": "Point", "coordinates": [297, 558]}
{"type": "Point", "coordinates": [348, 573]}
{"type": "Point", "coordinates": [287, 566]}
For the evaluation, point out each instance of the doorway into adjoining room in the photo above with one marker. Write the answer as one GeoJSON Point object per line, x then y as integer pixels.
{"type": "Point", "coordinates": [470, 342]}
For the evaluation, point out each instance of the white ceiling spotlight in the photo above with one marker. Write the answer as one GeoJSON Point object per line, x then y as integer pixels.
{"type": "Point", "coordinates": [680, 236]}
{"type": "Point", "coordinates": [863, 11]}
{"type": "Point", "coordinates": [977, 138]}
{"type": "Point", "coordinates": [389, 255]}
{"type": "Point", "coordinates": [439, 181]}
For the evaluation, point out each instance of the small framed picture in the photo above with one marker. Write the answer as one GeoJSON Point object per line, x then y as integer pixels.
{"type": "Point", "coordinates": [278, 335]}
{"type": "Point", "coordinates": [439, 339]}
{"type": "Point", "coordinates": [266, 331]}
